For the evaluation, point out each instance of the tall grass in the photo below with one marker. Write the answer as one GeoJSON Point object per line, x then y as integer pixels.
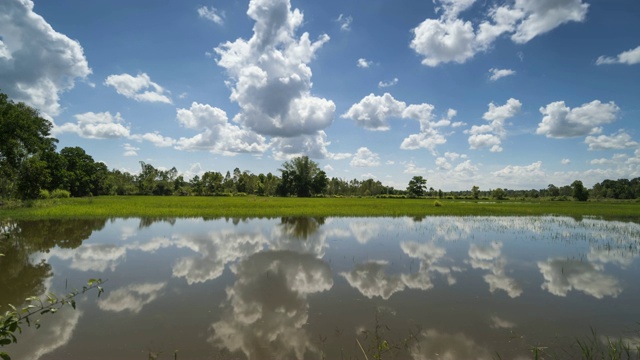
{"type": "Point", "coordinates": [252, 206]}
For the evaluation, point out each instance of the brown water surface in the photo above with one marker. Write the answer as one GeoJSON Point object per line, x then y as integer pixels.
{"type": "Point", "coordinates": [314, 288]}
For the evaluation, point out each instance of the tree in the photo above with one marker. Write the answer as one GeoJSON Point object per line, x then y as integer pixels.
{"type": "Point", "coordinates": [23, 134]}
{"type": "Point", "coordinates": [302, 176]}
{"type": "Point", "coordinates": [81, 171]}
{"type": "Point", "coordinates": [475, 192]}
{"type": "Point", "coordinates": [417, 186]}
{"type": "Point", "coordinates": [499, 194]}
{"type": "Point", "coordinates": [580, 193]}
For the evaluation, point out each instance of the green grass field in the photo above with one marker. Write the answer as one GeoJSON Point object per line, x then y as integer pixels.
{"type": "Point", "coordinates": [250, 206]}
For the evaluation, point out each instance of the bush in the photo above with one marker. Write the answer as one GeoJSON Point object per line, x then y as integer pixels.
{"type": "Point", "coordinates": [60, 194]}
{"type": "Point", "coordinates": [437, 203]}
{"type": "Point", "coordinates": [44, 194]}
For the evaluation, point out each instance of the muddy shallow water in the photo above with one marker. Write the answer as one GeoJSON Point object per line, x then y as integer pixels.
{"type": "Point", "coordinates": [313, 288]}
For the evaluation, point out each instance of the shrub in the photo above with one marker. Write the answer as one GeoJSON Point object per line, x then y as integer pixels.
{"type": "Point", "coordinates": [60, 194]}
{"type": "Point", "coordinates": [437, 203]}
{"type": "Point", "coordinates": [44, 194]}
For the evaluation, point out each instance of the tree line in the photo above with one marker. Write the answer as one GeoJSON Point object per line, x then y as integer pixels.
{"type": "Point", "coordinates": [31, 168]}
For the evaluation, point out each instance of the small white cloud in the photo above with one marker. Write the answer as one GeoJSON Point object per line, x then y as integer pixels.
{"type": "Point", "coordinates": [560, 121]}
{"type": "Point", "coordinates": [364, 63]}
{"type": "Point", "coordinates": [491, 135]}
{"type": "Point", "coordinates": [413, 169]}
{"type": "Point", "coordinates": [139, 88]}
{"type": "Point", "coordinates": [496, 74]}
{"type": "Point", "coordinates": [619, 140]}
{"type": "Point", "coordinates": [373, 111]}
{"type": "Point", "coordinates": [565, 161]}
{"type": "Point", "coordinates": [211, 13]}
{"type": "Point", "coordinates": [629, 57]}
{"type": "Point", "coordinates": [155, 138]}
{"type": "Point", "coordinates": [92, 125]}
{"type": "Point", "coordinates": [365, 158]}
{"type": "Point", "coordinates": [391, 83]}
{"type": "Point", "coordinates": [345, 22]}
{"type": "Point", "coordinates": [130, 150]}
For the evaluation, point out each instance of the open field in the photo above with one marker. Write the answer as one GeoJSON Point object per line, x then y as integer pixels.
{"type": "Point", "coordinates": [173, 206]}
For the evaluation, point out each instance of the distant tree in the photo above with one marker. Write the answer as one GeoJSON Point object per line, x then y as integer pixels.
{"type": "Point", "coordinates": [499, 194]}
{"type": "Point", "coordinates": [302, 176]}
{"type": "Point", "coordinates": [475, 192]}
{"type": "Point", "coordinates": [580, 193]}
{"type": "Point", "coordinates": [553, 190]}
{"type": "Point", "coordinates": [417, 186]}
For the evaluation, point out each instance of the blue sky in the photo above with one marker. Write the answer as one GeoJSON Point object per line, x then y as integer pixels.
{"type": "Point", "coordinates": [516, 94]}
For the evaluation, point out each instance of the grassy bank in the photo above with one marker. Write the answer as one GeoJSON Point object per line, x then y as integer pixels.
{"type": "Point", "coordinates": [169, 206]}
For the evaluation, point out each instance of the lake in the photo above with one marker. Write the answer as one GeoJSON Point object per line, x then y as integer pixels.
{"type": "Point", "coordinates": [314, 288]}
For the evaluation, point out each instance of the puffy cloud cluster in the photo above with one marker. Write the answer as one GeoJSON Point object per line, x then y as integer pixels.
{"type": "Point", "coordinates": [491, 135]}
{"type": "Point", "coordinates": [96, 126]}
{"type": "Point", "coordinates": [629, 57]}
{"type": "Point", "coordinates": [365, 158]}
{"type": "Point", "coordinates": [451, 39]}
{"type": "Point", "coordinates": [139, 88]}
{"type": "Point", "coordinates": [525, 176]}
{"type": "Point", "coordinates": [560, 121]}
{"type": "Point", "coordinates": [619, 140]}
{"type": "Point", "coordinates": [216, 134]}
{"type": "Point", "coordinates": [270, 77]}
{"type": "Point", "coordinates": [374, 111]}
{"type": "Point", "coordinates": [37, 63]}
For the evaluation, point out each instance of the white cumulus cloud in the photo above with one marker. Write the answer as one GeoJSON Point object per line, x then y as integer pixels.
{"type": "Point", "coordinates": [139, 88]}
{"type": "Point", "coordinates": [216, 133]}
{"type": "Point", "coordinates": [629, 57]}
{"type": "Point", "coordinates": [619, 140]}
{"type": "Point", "coordinates": [491, 135]}
{"type": "Point", "coordinates": [560, 121]}
{"type": "Point", "coordinates": [37, 63]}
{"type": "Point", "coordinates": [373, 111]}
{"type": "Point", "coordinates": [270, 78]}
{"type": "Point", "coordinates": [452, 39]}
{"type": "Point", "coordinates": [92, 125]}
{"type": "Point", "coordinates": [365, 158]}
{"type": "Point", "coordinates": [500, 73]}
{"type": "Point", "coordinates": [364, 63]}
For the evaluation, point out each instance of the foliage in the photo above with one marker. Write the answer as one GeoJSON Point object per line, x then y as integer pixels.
{"type": "Point", "coordinates": [499, 194]}
{"type": "Point", "coordinates": [417, 186]}
{"type": "Point", "coordinates": [25, 135]}
{"type": "Point", "coordinates": [302, 177]}
{"type": "Point", "coordinates": [580, 193]}
{"type": "Point", "coordinates": [11, 321]}
{"type": "Point", "coordinates": [475, 192]}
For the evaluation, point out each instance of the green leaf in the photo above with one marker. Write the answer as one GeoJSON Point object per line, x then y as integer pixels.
{"type": "Point", "coordinates": [73, 304]}
{"type": "Point", "coordinates": [4, 342]}
{"type": "Point", "coordinates": [5, 356]}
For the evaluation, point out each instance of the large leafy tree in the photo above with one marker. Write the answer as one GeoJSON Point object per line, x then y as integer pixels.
{"type": "Point", "coordinates": [81, 171]}
{"type": "Point", "coordinates": [302, 177]}
{"type": "Point", "coordinates": [580, 193]}
{"type": "Point", "coordinates": [417, 186]}
{"type": "Point", "coordinates": [23, 134]}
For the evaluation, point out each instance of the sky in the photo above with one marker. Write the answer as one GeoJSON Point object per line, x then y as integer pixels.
{"type": "Point", "coordinates": [517, 94]}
